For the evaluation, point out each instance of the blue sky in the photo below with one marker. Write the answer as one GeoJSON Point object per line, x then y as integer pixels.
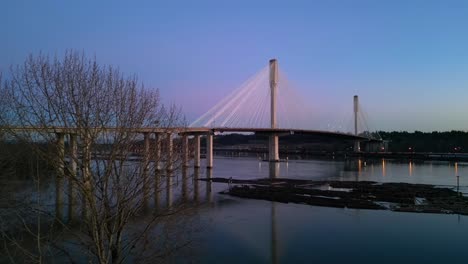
{"type": "Point", "coordinates": [407, 60]}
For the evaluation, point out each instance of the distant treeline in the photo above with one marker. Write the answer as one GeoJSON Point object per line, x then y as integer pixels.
{"type": "Point", "coordinates": [241, 139]}
{"type": "Point", "coordinates": [300, 142]}
{"type": "Point", "coordinates": [399, 141]}
{"type": "Point", "coordinates": [453, 141]}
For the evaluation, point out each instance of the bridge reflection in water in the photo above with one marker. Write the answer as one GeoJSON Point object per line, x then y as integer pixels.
{"type": "Point", "coordinates": [171, 190]}
{"type": "Point", "coordinates": [174, 189]}
{"type": "Point", "coordinates": [184, 187]}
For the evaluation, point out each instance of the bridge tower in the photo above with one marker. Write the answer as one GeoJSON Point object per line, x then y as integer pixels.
{"type": "Point", "coordinates": [357, 146]}
{"type": "Point", "coordinates": [273, 140]}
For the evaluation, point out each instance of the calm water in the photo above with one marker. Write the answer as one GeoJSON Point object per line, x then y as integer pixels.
{"type": "Point", "coordinates": [234, 230]}
{"type": "Point", "coordinates": [251, 231]}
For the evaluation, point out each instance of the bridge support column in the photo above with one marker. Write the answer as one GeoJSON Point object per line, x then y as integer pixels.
{"type": "Point", "coordinates": [273, 91]}
{"type": "Point", "coordinates": [146, 152]}
{"type": "Point", "coordinates": [87, 197]}
{"type": "Point", "coordinates": [273, 151]}
{"type": "Point", "coordinates": [146, 158]}
{"type": "Point", "coordinates": [273, 144]}
{"type": "Point", "coordinates": [209, 150]}
{"type": "Point", "coordinates": [196, 140]}
{"type": "Point", "coordinates": [185, 150]}
{"type": "Point", "coordinates": [169, 152]}
{"type": "Point", "coordinates": [157, 152]}
{"type": "Point", "coordinates": [169, 184]}
{"type": "Point", "coordinates": [357, 146]}
{"type": "Point", "coordinates": [60, 170]}
{"type": "Point", "coordinates": [157, 169]}
{"type": "Point", "coordinates": [73, 177]}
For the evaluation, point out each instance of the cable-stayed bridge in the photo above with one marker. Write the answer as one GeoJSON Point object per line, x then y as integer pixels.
{"type": "Point", "coordinates": [265, 104]}
{"type": "Point", "coordinates": [270, 95]}
{"type": "Point", "coordinates": [268, 104]}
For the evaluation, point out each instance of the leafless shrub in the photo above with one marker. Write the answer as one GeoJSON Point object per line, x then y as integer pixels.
{"type": "Point", "coordinates": [87, 122]}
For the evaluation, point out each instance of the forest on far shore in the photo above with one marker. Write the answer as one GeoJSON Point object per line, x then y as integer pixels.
{"type": "Point", "coordinates": [399, 141]}
{"type": "Point", "coordinates": [448, 141]}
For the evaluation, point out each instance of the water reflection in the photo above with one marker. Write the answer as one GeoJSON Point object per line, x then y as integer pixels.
{"type": "Point", "coordinates": [157, 188]}
{"type": "Point", "coordinates": [169, 179]}
{"type": "Point", "coordinates": [384, 169]}
{"type": "Point", "coordinates": [184, 184]}
{"type": "Point", "coordinates": [196, 176]}
{"type": "Point", "coordinates": [167, 192]}
{"type": "Point", "coordinates": [59, 197]}
{"type": "Point", "coordinates": [354, 165]}
{"type": "Point", "coordinates": [209, 193]}
{"type": "Point", "coordinates": [274, 243]}
{"type": "Point", "coordinates": [72, 192]}
{"type": "Point", "coordinates": [288, 229]}
{"type": "Point", "coordinates": [410, 168]}
{"type": "Point", "coordinates": [274, 170]}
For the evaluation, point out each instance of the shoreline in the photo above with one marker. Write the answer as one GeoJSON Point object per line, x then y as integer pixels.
{"type": "Point", "coordinates": [399, 197]}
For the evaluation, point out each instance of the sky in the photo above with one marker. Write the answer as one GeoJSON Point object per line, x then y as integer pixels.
{"type": "Point", "coordinates": [406, 59]}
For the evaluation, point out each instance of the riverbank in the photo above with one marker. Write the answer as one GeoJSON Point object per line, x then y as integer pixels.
{"type": "Point", "coordinates": [403, 197]}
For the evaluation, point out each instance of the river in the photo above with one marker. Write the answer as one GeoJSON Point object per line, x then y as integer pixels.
{"type": "Point", "coordinates": [252, 231]}
{"type": "Point", "coordinates": [225, 229]}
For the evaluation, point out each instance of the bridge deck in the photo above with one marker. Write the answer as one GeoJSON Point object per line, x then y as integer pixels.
{"type": "Point", "coordinates": [282, 131]}
{"type": "Point", "coordinates": [197, 130]}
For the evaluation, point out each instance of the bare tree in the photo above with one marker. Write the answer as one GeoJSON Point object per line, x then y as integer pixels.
{"type": "Point", "coordinates": [92, 119]}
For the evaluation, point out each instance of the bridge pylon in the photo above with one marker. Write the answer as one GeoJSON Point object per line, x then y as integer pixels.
{"type": "Point", "coordinates": [357, 147]}
{"type": "Point", "coordinates": [273, 140]}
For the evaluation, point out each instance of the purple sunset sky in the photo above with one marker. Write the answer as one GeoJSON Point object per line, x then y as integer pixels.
{"type": "Point", "coordinates": [407, 60]}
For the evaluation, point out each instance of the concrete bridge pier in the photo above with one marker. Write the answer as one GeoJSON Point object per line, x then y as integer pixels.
{"type": "Point", "coordinates": [209, 151]}
{"type": "Point", "coordinates": [357, 147]}
{"type": "Point", "coordinates": [146, 159]}
{"type": "Point", "coordinates": [273, 141]}
{"type": "Point", "coordinates": [157, 152]}
{"type": "Point", "coordinates": [169, 184]}
{"type": "Point", "coordinates": [169, 165]}
{"type": "Point", "coordinates": [196, 140]}
{"type": "Point", "coordinates": [146, 152]}
{"type": "Point", "coordinates": [273, 149]}
{"type": "Point", "coordinates": [185, 151]}
{"type": "Point", "coordinates": [87, 197]}
{"type": "Point", "coordinates": [73, 175]}
{"type": "Point", "coordinates": [60, 166]}
{"type": "Point", "coordinates": [157, 169]}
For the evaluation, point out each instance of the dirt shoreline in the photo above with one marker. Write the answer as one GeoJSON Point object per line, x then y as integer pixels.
{"type": "Point", "coordinates": [403, 197]}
